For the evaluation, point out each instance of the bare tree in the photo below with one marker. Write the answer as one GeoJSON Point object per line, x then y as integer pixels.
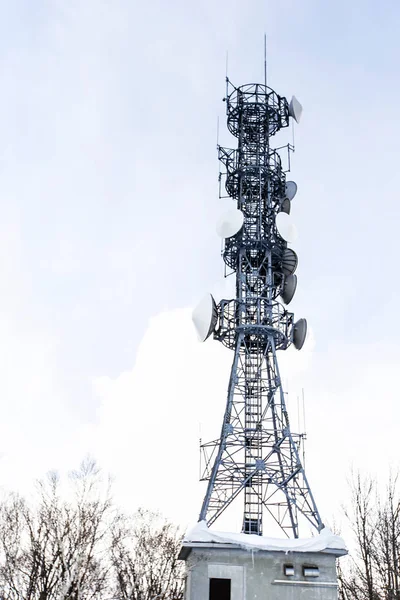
{"type": "Point", "coordinates": [387, 547]}
{"type": "Point", "coordinates": [145, 558]}
{"type": "Point", "coordinates": [74, 545]}
{"type": "Point", "coordinates": [56, 549]}
{"type": "Point", "coordinates": [372, 573]}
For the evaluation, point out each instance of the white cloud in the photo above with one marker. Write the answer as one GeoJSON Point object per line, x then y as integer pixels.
{"type": "Point", "coordinates": [152, 416]}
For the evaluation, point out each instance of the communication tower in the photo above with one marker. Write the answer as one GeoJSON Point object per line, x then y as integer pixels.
{"type": "Point", "coordinates": [257, 456]}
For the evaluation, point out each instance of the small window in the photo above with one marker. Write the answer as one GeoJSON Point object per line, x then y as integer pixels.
{"type": "Point", "coordinates": [310, 571]}
{"type": "Point", "coordinates": [251, 526]}
{"type": "Point", "coordinates": [288, 570]}
{"type": "Point", "coordinates": [220, 589]}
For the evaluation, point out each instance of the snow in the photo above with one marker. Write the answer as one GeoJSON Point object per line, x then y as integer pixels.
{"type": "Point", "coordinates": [325, 540]}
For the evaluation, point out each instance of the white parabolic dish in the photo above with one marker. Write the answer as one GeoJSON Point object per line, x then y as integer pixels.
{"type": "Point", "coordinates": [286, 227]}
{"type": "Point", "coordinates": [205, 317]}
{"type": "Point", "coordinates": [230, 223]}
{"type": "Point", "coordinates": [295, 109]}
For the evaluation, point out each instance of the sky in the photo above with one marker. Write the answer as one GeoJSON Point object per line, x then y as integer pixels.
{"type": "Point", "coordinates": [109, 198]}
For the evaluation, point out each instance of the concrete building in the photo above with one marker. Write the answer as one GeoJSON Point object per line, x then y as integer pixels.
{"type": "Point", "coordinates": [246, 567]}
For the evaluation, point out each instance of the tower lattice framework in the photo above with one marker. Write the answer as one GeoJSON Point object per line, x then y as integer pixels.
{"type": "Point", "coordinates": [257, 456]}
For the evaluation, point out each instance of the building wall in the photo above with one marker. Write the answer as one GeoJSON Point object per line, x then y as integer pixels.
{"type": "Point", "coordinates": [260, 575]}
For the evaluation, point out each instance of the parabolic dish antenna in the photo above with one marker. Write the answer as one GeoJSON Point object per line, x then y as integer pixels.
{"type": "Point", "coordinates": [290, 189]}
{"type": "Point", "coordinates": [289, 261]}
{"type": "Point", "coordinates": [295, 109]}
{"type": "Point", "coordinates": [289, 288]}
{"type": "Point", "coordinates": [286, 229]}
{"type": "Point", "coordinates": [205, 317]}
{"type": "Point", "coordinates": [286, 206]}
{"type": "Point", "coordinates": [230, 223]}
{"type": "Point", "coordinates": [299, 333]}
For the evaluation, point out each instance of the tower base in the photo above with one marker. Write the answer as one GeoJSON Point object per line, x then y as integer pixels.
{"type": "Point", "coordinates": [228, 570]}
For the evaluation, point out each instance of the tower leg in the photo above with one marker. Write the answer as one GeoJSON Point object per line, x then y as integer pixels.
{"type": "Point", "coordinates": [257, 453]}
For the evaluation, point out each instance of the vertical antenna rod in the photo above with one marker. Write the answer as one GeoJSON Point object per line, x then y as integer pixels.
{"type": "Point", "coordinates": [265, 59]}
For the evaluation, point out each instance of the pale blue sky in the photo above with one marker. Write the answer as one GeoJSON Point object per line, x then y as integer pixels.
{"type": "Point", "coordinates": [108, 192]}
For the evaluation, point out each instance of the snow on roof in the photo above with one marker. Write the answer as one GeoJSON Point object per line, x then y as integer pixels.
{"type": "Point", "coordinates": [324, 541]}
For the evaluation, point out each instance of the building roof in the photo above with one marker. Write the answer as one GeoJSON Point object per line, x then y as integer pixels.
{"type": "Point", "coordinates": [203, 537]}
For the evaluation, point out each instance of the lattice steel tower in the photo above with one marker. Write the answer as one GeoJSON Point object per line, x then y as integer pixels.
{"type": "Point", "coordinates": [257, 455]}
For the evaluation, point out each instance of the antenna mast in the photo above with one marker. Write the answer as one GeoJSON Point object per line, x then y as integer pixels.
{"type": "Point", "coordinates": [257, 456]}
{"type": "Point", "coordinates": [265, 59]}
